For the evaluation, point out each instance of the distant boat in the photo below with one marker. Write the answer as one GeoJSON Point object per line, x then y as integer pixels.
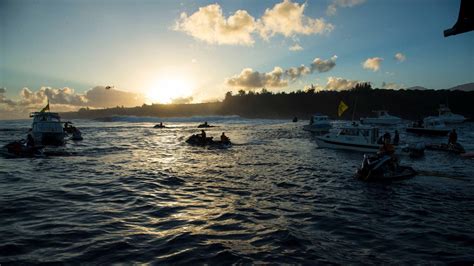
{"type": "Point", "coordinates": [432, 126]}
{"type": "Point", "coordinates": [448, 117]}
{"type": "Point", "coordinates": [318, 124]}
{"type": "Point", "coordinates": [354, 137]}
{"type": "Point", "coordinates": [382, 118]}
{"type": "Point", "coordinates": [47, 128]}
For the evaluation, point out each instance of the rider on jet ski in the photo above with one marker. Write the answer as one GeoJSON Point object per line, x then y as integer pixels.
{"type": "Point", "coordinates": [387, 149]}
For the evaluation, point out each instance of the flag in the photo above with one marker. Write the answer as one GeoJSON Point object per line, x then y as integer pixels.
{"type": "Point", "coordinates": [342, 108]}
{"type": "Point", "coordinates": [46, 108]}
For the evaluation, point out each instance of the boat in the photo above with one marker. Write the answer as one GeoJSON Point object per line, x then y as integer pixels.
{"type": "Point", "coordinates": [445, 115]}
{"type": "Point", "coordinates": [355, 137]}
{"type": "Point", "coordinates": [383, 169]}
{"type": "Point", "coordinates": [452, 148]}
{"type": "Point", "coordinates": [318, 124]}
{"type": "Point", "coordinates": [204, 125]}
{"type": "Point", "coordinates": [382, 118]}
{"type": "Point", "coordinates": [431, 126]}
{"type": "Point", "coordinates": [47, 128]}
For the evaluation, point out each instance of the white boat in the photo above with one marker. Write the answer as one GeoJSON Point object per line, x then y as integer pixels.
{"type": "Point", "coordinates": [382, 118]}
{"type": "Point", "coordinates": [354, 137]}
{"type": "Point", "coordinates": [47, 128]}
{"type": "Point", "coordinates": [432, 126]}
{"type": "Point", "coordinates": [318, 124]}
{"type": "Point", "coordinates": [448, 117]}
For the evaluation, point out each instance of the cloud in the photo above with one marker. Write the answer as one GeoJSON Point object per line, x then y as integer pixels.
{"type": "Point", "coordinates": [400, 57]}
{"type": "Point", "coordinates": [391, 86]}
{"type": "Point", "coordinates": [3, 90]}
{"type": "Point", "coordinates": [295, 47]}
{"type": "Point", "coordinates": [65, 99]}
{"type": "Point", "coordinates": [182, 100]}
{"type": "Point", "coordinates": [295, 72]}
{"type": "Point", "coordinates": [323, 65]}
{"type": "Point", "coordinates": [339, 84]}
{"type": "Point", "coordinates": [288, 19]}
{"type": "Point", "coordinates": [209, 24]}
{"type": "Point", "coordinates": [251, 79]}
{"type": "Point", "coordinates": [372, 63]}
{"type": "Point", "coordinates": [335, 4]}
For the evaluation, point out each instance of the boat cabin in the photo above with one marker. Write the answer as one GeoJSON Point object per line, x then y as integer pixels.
{"type": "Point", "coordinates": [369, 134]}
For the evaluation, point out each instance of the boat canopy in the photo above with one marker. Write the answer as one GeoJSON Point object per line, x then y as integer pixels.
{"type": "Point", "coordinates": [45, 116]}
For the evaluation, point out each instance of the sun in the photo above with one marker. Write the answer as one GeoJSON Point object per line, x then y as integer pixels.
{"type": "Point", "coordinates": [166, 89]}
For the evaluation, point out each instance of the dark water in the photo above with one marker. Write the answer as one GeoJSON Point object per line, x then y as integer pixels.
{"type": "Point", "coordinates": [130, 193]}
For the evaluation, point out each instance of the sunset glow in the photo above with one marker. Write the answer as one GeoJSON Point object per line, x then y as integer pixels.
{"type": "Point", "coordinates": [167, 89]}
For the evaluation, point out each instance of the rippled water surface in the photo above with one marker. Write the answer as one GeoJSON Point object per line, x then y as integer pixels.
{"type": "Point", "coordinates": [132, 193]}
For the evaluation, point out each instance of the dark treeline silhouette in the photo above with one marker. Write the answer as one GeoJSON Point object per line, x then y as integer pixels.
{"type": "Point", "coordinates": [362, 100]}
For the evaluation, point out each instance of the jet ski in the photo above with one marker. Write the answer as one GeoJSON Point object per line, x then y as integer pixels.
{"type": "Point", "coordinates": [159, 126]}
{"type": "Point", "coordinates": [76, 135]}
{"type": "Point", "coordinates": [381, 168]}
{"type": "Point", "coordinates": [20, 149]}
{"type": "Point", "coordinates": [198, 141]}
{"type": "Point", "coordinates": [454, 148]}
{"type": "Point", "coordinates": [205, 125]}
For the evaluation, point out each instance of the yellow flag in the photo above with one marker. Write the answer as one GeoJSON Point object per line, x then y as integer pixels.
{"type": "Point", "coordinates": [342, 108]}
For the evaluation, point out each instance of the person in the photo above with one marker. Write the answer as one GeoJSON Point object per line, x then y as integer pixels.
{"type": "Point", "coordinates": [203, 136]}
{"type": "Point", "coordinates": [161, 124]}
{"type": "Point", "coordinates": [205, 123]}
{"type": "Point", "coordinates": [387, 136]}
{"type": "Point", "coordinates": [224, 138]}
{"type": "Point", "coordinates": [396, 138]}
{"type": "Point", "coordinates": [30, 141]}
{"type": "Point", "coordinates": [387, 149]}
{"type": "Point", "coordinates": [453, 137]}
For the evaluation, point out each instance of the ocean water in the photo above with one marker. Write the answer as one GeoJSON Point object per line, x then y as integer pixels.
{"type": "Point", "coordinates": [131, 193]}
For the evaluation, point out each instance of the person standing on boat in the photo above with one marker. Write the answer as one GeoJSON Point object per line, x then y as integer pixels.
{"type": "Point", "coordinates": [30, 141]}
{"type": "Point", "coordinates": [453, 137]}
{"type": "Point", "coordinates": [396, 138]}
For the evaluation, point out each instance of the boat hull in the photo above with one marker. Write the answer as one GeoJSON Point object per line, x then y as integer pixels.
{"type": "Point", "coordinates": [427, 131]}
{"type": "Point", "coordinates": [49, 138]}
{"type": "Point", "coordinates": [324, 142]}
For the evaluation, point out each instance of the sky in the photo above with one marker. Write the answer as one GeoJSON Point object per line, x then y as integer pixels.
{"type": "Point", "coordinates": [193, 51]}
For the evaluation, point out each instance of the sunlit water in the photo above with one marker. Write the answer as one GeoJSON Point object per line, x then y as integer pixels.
{"type": "Point", "coordinates": [132, 193]}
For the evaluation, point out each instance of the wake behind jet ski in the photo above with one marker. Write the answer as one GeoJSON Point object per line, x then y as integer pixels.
{"type": "Point", "coordinates": [382, 168]}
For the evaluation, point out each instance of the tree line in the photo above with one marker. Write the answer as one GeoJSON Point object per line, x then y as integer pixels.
{"type": "Point", "coordinates": [362, 100]}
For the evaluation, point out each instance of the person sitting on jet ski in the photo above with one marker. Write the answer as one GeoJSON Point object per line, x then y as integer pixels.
{"type": "Point", "coordinates": [453, 137]}
{"type": "Point", "coordinates": [388, 149]}
{"type": "Point", "coordinates": [203, 136]}
{"type": "Point", "coordinates": [224, 138]}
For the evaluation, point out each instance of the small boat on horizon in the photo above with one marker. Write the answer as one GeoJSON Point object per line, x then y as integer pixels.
{"type": "Point", "coordinates": [382, 118]}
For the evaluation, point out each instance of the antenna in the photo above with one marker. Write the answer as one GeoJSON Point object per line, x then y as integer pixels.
{"type": "Point", "coordinates": [355, 107]}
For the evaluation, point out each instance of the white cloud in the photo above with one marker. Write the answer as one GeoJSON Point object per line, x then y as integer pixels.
{"type": "Point", "coordinates": [339, 84]}
{"type": "Point", "coordinates": [65, 99]}
{"type": "Point", "coordinates": [400, 57]}
{"type": "Point", "coordinates": [209, 24]}
{"type": "Point", "coordinates": [295, 72]}
{"type": "Point", "coordinates": [391, 86]}
{"type": "Point", "coordinates": [373, 63]}
{"type": "Point", "coordinates": [323, 65]}
{"type": "Point", "coordinates": [251, 79]}
{"type": "Point", "coordinates": [335, 4]}
{"type": "Point", "coordinates": [288, 19]}
{"type": "Point", "coordinates": [295, 47]}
